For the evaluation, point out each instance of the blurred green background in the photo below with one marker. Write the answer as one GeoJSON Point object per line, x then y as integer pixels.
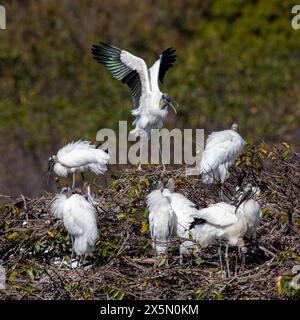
{"type": "Point", "coordinates": [237, 61]}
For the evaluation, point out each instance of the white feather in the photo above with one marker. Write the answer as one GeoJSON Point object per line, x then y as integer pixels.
{"type": "Point", "coordinates": [161, 220]}
{"type": "Point", "coordinates": [139, 65]}
{"type": "Point", "coordinates": [252, 212]}
{"type": "Point", "coordinates": [79, 218]}
{"type": "Point", "coordinates": [221, 150]}
{"type": "Point", "coordinates": [185, 212]}
{"type": "Point", "coordinates": [57, 205]}
{"type": "Point", "coordinates": [80, 156]}
{"type": "Point", "coordinates": [220, 214]}
{"type": "Point", "coordinates": [154, 72]}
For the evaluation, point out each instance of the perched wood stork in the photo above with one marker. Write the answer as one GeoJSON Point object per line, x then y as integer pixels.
{"type": "Point", "coordinates": [185, 210]}
{"type": "Point", "coordinates": [161, 220]}
{"type": "Point", "coordinates": [221, 150]}
{"type": "Point", "coordinates": [251, 209]}
{"type": "Point", "coordinates": [76, 157]}
{"type": "Point", "coordinates": [221, 221]}
{"type": "Point", "coordinates": [79, 218]}
{"type": "Point", "coordinates": [150, 104]}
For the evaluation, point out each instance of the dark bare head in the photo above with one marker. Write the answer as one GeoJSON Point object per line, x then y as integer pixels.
{"type": "Point", "coordinates": [167, 101]}
{"type": "Point", "coordinates": [171, 185]}
{"type": "Point", "coordinates": [51, 163]}
{"type": "Point", "coordinates": [234, 127]}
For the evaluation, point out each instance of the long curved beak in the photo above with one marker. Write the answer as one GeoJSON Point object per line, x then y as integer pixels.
{"type": "Point", "coordinates": [172, 103]}
{"type": "Point", "coordinates": [48, 177]}
{"type": "Point", "coordinates": [245, 196]}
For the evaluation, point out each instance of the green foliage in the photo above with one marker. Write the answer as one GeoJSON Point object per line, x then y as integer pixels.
{"type": "Point", "coordinates": [106, 248]}
{"type": "Point", "coordinates": [112, 292]}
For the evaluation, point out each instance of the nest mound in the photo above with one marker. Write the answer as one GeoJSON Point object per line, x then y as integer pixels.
{"type": "Point", "coordinates": [33, 243]}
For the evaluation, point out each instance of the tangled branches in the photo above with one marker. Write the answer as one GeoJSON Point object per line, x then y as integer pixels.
{"type": "Point", "coordinates": [33, 243]}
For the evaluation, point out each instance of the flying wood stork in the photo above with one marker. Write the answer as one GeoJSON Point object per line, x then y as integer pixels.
{"type": "Point", "coordinates": [150, 104]}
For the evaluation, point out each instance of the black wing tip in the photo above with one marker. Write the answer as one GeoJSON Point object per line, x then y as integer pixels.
{"type": "Point", "coordinates": [104, 46]}
{"type": "Point", "coordinates": [169, 51]}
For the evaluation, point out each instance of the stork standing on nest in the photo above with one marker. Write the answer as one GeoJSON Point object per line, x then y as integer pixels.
{"type": "Point", "coordinates": [79, 218]}
{"type": "Point", "coordinates": [185, 210]}
{"type": "Point", "coordinates": [221, 150]}
{"type": "Point", "coordinates": [249, 203]}
{"type": "Point", "coordinates": [150, 104]}
{"type": "Point", "coordinates": [222, 221]}
{"type": "Point", "coordinates": [76, 157]}
{"type": "Point", "coordinates": [161, 221]}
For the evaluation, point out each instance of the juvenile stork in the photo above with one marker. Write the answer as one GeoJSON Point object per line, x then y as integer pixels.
{"type": "Point", "coordinates": [76, 157]}
{"type": "Point", "coordinates": [161, 220]}
{"type": "Point", "coordinates": [221, 150]}
{"type": "Point", "coordinates": [185, 210]}
{"type": "Point", "coordinates": [79, 218]}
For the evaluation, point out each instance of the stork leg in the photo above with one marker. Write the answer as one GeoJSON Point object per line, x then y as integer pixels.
{"type": "Point", "coordinates": [221, 193]}
{"type": "Point", "coordinates": [243, 260]}
{"type": "Point", "coordinates": [139, 168]}
{"type": "Point", "coordinates": [227, 261]}
{"type": "Point", "coordinates": [73, 182]}
{"type": "Point", "coordinates": [156, 257]}
{"type": "Point", "coordinates": [72, 254]}
{"type": "Point", "coordinates": [220, 258]}
{"type": "Point", "coordinates": [236, 261]}
{"type": "Point", "coordinates": [62, 261]}
{"type": "Point", "coordinates": [161, 156]}
{"type": "Point", "coordinates": [81, 262]}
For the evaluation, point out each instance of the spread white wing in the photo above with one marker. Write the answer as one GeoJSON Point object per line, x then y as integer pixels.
{"type": "Point", "coordinates": [158, 70]}
{"type": "Point", "coordinates": [126, 67]}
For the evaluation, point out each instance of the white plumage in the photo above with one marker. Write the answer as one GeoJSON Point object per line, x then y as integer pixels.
{"type": "Point", "coordinates": [161, 221]}
{"type": "Point", "coordinates": [229, 225]}
{"type": "Point", "coordinates": [251, 209]}
{"type": "Point", "coordinates": [222, 221]}
{"type": "Point", "coordinates": [185, 211]}
{"type": "Point", "coordinates": [78, 156]}
{"type": "Point", "coordinates": [221, 150]}
{"type": "Point", "coordinates": [150, 104]}
{"type": "Point", "coordinates": [79, 218]}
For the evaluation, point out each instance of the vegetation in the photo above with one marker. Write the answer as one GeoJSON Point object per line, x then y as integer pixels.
{"type": "Point", "coordinates": [33, 243]}
{"type": "Point", "coordinates": [237, 61]}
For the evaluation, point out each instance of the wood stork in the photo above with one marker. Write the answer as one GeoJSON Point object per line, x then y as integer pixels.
{"type": "Point", "coordinates": [150, 104]}
{"type": "Point", "coordinates": [251, 209]}
{"type": "Point", "coordinates": [161, 220]}
{"type": "Point", "coordinates": [221, 221]}
{"type": "Point", "coordinates": [221, 150]}
{"type": "Point", "coordinates": [185, 210]}
{"type": "Point", "coordinates": [78, 156]}
{"type": "Point", "coordinates": [79, 218]}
